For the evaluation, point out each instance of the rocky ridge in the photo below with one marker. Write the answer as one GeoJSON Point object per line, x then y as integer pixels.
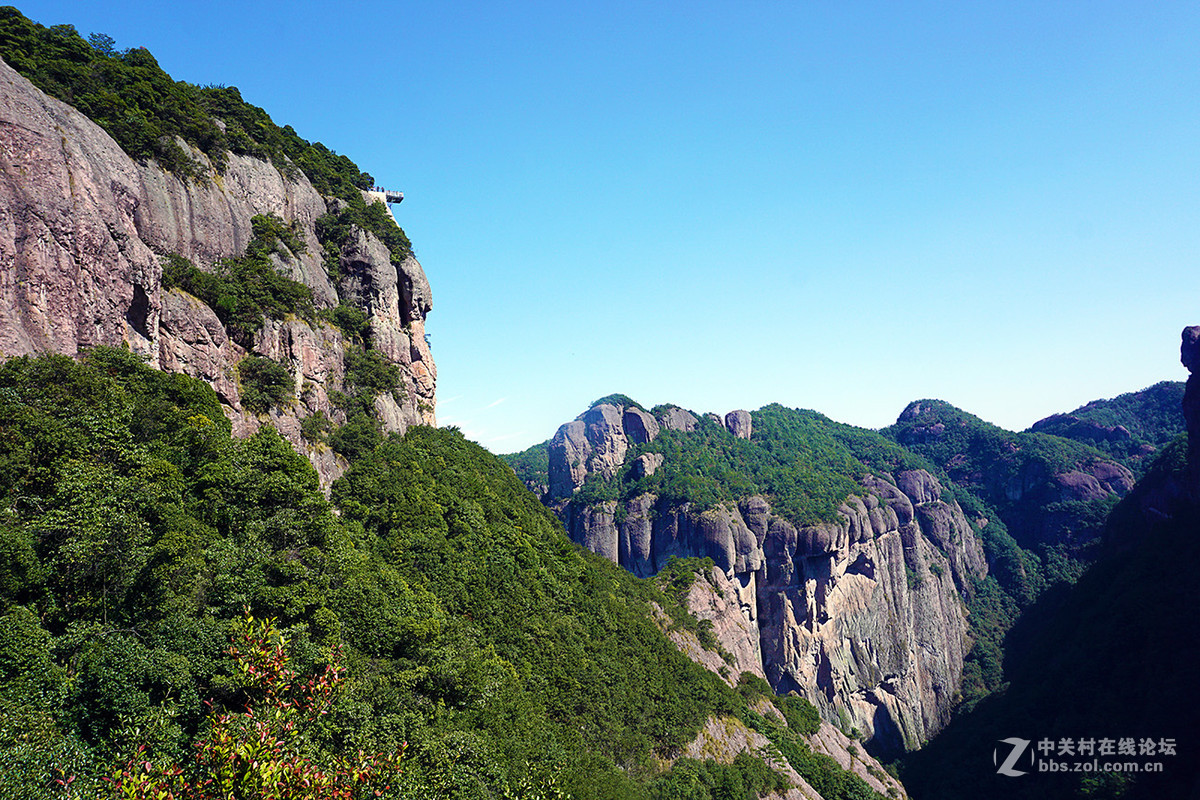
{"type": "Point", "coordinates": [861, 614]}
{"type": "Point", "coordinates": [83, 233]}
{"type": "Point", "coordinates": [1048, 490]}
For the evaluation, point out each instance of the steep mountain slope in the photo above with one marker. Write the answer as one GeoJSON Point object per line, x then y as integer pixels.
{"type": "Point", "coordinates": [834, 577]}
{"type": "Point", "coordinates": [135, 529]}
{"type": "Point", "coordinates": [304, 301]}
{"type": "Point", "coordinates": [1113, 657]}
{"type": "Point", "coordinates": [1049, 491]}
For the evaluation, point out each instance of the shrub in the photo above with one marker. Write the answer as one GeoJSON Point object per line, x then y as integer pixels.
{"type": "Point", "coordinates": [263, 752]}
{"type": "Point", "coordinates": [370, 371]}
{"type": "Point", "coordinates": [351, 321]}
{"type": "Point", "coordinates": [316, 427]}
{"type": "Point", "coordinates": [264, 383]}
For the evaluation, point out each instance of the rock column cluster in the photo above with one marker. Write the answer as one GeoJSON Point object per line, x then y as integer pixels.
{"type": "Point", "coordinates": [863, 614]}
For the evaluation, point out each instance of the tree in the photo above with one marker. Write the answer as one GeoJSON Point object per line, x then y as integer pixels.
{"type": "Point", "coordinates": [264, 752]}
{"type": "Point", "coordinates": [103, 44]}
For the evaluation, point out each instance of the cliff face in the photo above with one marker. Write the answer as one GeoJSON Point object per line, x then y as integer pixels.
{"type": "Point", "coordinates": [84, 229]}
{"type": "Point", "coordinates": [1189, 355]}
{"type": "Point", "coordinates": [862, 615]}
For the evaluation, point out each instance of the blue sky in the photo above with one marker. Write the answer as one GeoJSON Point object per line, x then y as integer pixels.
{"type": "Point", "coordinates": [839, 206]}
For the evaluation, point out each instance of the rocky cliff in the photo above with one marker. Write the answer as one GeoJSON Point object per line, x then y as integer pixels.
{"type": "Point", "coordinates": [862, 614]}
{"type": "Point", "coordinates": [84, 230]}
{"type": "Point", "coordinates": [1189, 355]}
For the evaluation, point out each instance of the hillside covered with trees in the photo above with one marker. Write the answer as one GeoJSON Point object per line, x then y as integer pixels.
{"type": "Point", "coordinates": [138, 533]}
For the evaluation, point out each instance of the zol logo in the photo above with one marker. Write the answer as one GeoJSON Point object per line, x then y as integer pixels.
{"type": "Point", "coordinates": [1008, 768]}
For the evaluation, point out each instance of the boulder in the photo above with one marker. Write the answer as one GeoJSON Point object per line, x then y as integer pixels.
{"type": "Point", "coordinates": [738, 423]}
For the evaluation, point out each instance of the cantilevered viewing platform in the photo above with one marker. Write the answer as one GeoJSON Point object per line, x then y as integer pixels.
{"type": "Point", "coordinates": [387, 195]}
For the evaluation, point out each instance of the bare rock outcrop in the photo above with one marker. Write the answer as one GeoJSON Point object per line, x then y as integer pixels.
{"type": "Point", "coordinates": [595, 443]}
{"type": "Point", "coordinates": [862, 614]}
{"type": "Point", "coordinates": [640, 426]}
{"type": "Point", "coordinates": [674, 418]}
{"type": "Point", "coordinates": [597, 440]}
{"type": "Point", "coordinates": [84, 229]}
{"type": "Point", "coordinates": [731, 608]}
{"type": "Point", "coordinates": [739, 423]}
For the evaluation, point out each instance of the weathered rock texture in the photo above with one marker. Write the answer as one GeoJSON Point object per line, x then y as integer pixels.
{"type": "Point", "coordinates": [84, 228]}
{"type": "Point", "coordinates": [863, 615]}
{"type": "Point", "coordinates": [723, 738]}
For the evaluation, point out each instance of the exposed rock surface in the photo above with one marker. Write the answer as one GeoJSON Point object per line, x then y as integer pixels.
{"type": "Point", "coordinates": [863, 615]}
{"type": "Point", "coordinates": [84, 228]}
{"type": "Point", "coordinates": [739, 423]}
{"type": "Point", "coordinates": [731, 608]}
{"type": "Point", "coordinates": [678, 419]}
{"type": "Point", "coordinates": [723, 738]}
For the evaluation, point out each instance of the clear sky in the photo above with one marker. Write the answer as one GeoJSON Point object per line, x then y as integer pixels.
{"type": "Point", "coordinates": [843, 206]}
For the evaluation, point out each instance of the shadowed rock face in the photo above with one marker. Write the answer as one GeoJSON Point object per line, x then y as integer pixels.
{"type": "Point", "coordinates": [84, 228]}
{"type": "Point", "coordinates": [863, 615]}
{"type": "Point", "coordinates": [1189, 355]}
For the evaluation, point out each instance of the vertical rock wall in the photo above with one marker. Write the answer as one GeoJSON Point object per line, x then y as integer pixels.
{"type": "Point", "coordinates": [863, 615]}
{"type": "Point", "coordinates": [84, 228]}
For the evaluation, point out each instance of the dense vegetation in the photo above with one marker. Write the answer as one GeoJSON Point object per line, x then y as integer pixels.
{"type": "Point", "coordinates": [1150, 419]}
{"type": "Point", "coordinates": [136, 533]}
{"type": "Point", "coordinates": [805, 463]}
{"type": "Point", "coordinates": [147, 112]}
{"type": "Point", "coordinates": [1114, 655]}
{"type": "Point", "coordinates": [532, 465]}
{"type": "Point", "coordinates": [264, 383]}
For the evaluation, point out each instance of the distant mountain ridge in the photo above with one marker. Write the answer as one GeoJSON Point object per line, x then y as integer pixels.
{"type": "Point", "coordinates": [640, 487]}
{"type": "Point", "coordinates": [1049, 490]}
{"type": "Point", "coordinates": [1131, 427]}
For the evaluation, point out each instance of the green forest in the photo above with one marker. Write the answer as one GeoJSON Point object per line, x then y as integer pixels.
{"type": "Point", "coordinates": [185, 614]}
{"type": "Point", "coordinates": [139, 540]}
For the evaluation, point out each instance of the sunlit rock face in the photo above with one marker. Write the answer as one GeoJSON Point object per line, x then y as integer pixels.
{"type": "Point", "coordinates": [83, 233]}
{"type": "Point", "coordinates": [863, 614]}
